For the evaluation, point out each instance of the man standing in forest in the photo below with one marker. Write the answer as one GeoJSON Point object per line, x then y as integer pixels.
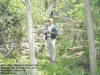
{"type": "Point", "coordinates": [50, 33]}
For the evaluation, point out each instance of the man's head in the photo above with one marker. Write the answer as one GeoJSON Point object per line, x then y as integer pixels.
{"type": "Point", "coordinates": [50, 21]}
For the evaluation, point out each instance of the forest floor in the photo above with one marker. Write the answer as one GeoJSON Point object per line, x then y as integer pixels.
{"type": "Point", "coordinates": [65, 64]}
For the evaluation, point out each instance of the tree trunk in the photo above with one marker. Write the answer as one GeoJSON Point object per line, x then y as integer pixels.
{"type": "Point", "coordinates": [31, 38]}
{"type": "Point", "coordinates": [92, 50]}
{"type": "Point", "coordinates": [4, 20]}
{"type": "Point", "coordinates": [78, 1]}
{"type": "Point", "coordinates": [50, 9]}
{"type": "Point", "coordinates": [46, 4]}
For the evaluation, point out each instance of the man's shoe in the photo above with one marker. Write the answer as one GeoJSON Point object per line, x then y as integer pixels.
{"type": "Point", "coordinates": [52, 61]}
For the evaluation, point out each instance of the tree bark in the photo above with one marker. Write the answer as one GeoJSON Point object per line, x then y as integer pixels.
{"type": "Point", "coordinates": [50, 9]}
{"type": "Point", "coordinates": [46, 4]}
{"type": "Point", "coordinates": [4, 20]}
{"type": "Point", "coordinates": [78, 1]}
{"type": "Point", "coordinates": [5, 13]}
{"type": "Point", "coordinates": [31, 38]}
{"type": "Point", "coordinates": [92, 50]}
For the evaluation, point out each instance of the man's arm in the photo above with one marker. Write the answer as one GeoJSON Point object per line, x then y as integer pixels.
{"type": "Point", "coordinates": [45, 31]}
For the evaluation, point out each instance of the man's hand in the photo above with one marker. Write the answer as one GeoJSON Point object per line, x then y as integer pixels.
{"type": "Point", "coordinates": [41, 37]}
{"type": "Point", "coordinates": [49, 32]}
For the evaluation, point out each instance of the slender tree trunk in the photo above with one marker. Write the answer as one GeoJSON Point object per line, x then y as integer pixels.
{"type": "Point", "coordinates": [92, 50]}
{"type": "Point", "coordinates": [46, 4]}
{"type": "Point", "coordinates": [5, 13]}
{"type": "Point", "coordinates": [4, 20]}
{"type": "Point", "coordinates": [78, 1]}
{"type": "Point", "coordinates": [31, 38]}
{"type": "Point", "coordinates": [50, 9]}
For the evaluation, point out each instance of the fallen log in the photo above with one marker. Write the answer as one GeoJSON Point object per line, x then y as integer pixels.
{"type": "Point", "coordinates": [75, 49]}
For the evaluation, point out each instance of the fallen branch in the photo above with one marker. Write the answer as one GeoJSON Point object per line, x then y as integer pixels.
{"type": "Point", "coordinates": [10, 50]}
{"type": "Point", "coordinates": [65, 18]}
{"type": "Point", "coordinates": [79, 48]}
{"type": "Point", "coordinates": [50, 8]}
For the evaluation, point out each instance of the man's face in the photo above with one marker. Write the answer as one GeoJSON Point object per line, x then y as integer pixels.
{"type": "Point", "coordinates": [50, 22]}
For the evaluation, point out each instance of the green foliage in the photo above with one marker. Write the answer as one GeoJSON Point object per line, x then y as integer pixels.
{"type": "Point", "coordinates": [63, 66]}
{"type": "Point", "coordinates": [63, 44]}
{"type": "Point", "coordinates": [14, 24]}
{"type": "Point", "coordinates": [1, 57]}
{"type": "Point", "coordinates": [98, 70]}
{"type": "Point", "coordinates": [15, 29]}
{"type": "Point", "coordinates": [64, 7]}
{"type": "Point", "coordinates": [38, 11]}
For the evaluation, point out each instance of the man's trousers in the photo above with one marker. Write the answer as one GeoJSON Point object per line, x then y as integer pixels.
{"type": "Point", "coordinates": [51, 48]}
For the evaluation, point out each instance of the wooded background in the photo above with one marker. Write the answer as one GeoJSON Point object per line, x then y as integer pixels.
{"type": "Point", "coordinates": [78, 41]}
